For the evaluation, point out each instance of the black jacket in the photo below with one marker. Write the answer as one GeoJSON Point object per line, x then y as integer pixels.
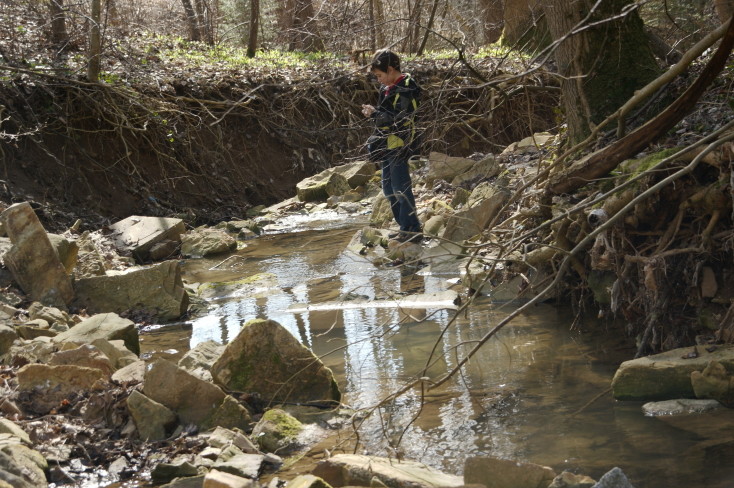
{"type": "Point", "coordinates": [395, 114]}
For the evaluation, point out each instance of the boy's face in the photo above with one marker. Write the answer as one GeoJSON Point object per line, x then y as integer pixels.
{"type": "Point", "coordinates": [386, 78]}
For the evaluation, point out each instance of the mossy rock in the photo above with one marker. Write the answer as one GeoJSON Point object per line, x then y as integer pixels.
{"type": "Point", "coordinates": [277, 431]}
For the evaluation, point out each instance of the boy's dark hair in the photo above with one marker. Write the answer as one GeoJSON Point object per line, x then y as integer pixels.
{"type": "Point", "coordinates": [384, 59]}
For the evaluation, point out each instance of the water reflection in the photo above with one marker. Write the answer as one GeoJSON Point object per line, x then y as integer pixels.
{"type": "Point", "coordinates": [529, 394]}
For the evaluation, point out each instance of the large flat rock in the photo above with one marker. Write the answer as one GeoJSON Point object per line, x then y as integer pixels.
{"type": "Point", "coordinates": [667, 376]}
{"type": "Point", "coordinates": [156, 289]}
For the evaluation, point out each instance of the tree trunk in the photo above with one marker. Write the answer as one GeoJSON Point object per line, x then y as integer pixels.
{"type": "Point", "coordinates": [59, 35]}
{"type": "Point", "coordinates": [524, 25]}
{"type": "Point", "coordinates": [191, 20]}
{"type": "Point", "coordinates": [602, 64]}
{"type": "Point", "coordinates": [724, 9]}
{"type": "Point", "coordinates": [492, 19]}
{"type": "Point", "coordinates": [254, 25]}
{"type": "Point", "coordinates": [429, 27]}
{"type": "Point", "coordinates": [203, 20]}
{"type": "Point", "coordinates": [600, 163]}
{"type": "Point", "coordinates": [302, 36]}
{"type": "Point", "coordinates": [380, 24]}
{"type": "Point", "coordinates": [95, 42]}
{"type": "Point", "coordinates": [414, 29]}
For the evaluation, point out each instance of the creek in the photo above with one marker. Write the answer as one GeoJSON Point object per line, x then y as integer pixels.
{"type": "Point", "coordinates": [538, 392]}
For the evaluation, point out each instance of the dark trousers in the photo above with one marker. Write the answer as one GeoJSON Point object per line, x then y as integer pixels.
{"type": "Point", "coordinates": [396, 185]}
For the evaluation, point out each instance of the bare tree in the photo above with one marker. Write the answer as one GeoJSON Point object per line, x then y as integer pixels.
{"type": "Point", "coordinates": [303, 36]}
{"type": "Point", "coordinates": [192, 20]}
{"type": "Point", "coordinates": [524, 24]}
{"type": "Point", "coordinates": [59, 34]}
{"type": "Point", "coordinates": [254, 25]}
{"type": "Point", "coordinates": [95, 42]}
{"type": "Point", "coordinates": [492, 12]}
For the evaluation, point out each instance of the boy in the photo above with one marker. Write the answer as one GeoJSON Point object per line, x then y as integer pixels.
{"type": "Point", "coordinates": [394, 140]}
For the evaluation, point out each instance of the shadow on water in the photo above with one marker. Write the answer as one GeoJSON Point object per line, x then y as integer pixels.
{"type": "Point", "coordinates": [535, 393]}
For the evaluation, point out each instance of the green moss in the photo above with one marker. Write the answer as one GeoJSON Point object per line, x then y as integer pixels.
{"type": "Point", "coordinates": [286, 425]}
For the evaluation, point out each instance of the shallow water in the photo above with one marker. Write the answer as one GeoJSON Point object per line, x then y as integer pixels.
{"type": "Point", "coordinates": [534, 393]}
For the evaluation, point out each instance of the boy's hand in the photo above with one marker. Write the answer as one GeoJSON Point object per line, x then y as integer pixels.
{"type": "Point", "coordinates": [368, 110]}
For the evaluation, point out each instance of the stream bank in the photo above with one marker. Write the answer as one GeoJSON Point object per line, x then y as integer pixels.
{"type": "Point", "coordinates": [322, 272]}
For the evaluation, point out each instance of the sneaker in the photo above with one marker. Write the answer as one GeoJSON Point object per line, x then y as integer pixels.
{"type": "Point", "coordinates": [393, 235]}
{"type": "Point", "coordinates": [413, 237]}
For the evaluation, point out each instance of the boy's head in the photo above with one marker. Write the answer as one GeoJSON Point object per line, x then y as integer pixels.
{"type": "Point", "coordinates": [384, 59]}
{"type": "Point", "coordinates": [386, 66]}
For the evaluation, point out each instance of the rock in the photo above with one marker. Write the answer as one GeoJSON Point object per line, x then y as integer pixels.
{"type": "Point", "coordinates": [483, 204]}
{"type": "Point", "coordinates": [66, 250]}
{"type": "Point", "coordinates": [484, 169]}
{"type": "Point", "coordinates": [434, 225]}
{"type": "Point", "coordinates": [206, 241]}
{"type": "Point", "coordinates": [165, 472]}
{"type": "Point", "coordinates": [22, 467]}
{"type": "Point", "coordinates": [33, 329]}
{"type": "Point", "coordinates": [444, 167]}
{"type": "Point", "coordinates": [506, 473]}
{"type": "Point", "coordinates": [357, 173]}
{"type": "Point", "coordinates": [243, 465]}
{"type": "Point", "coordinates": [108, 326]}
{"type": "Point", "coordinates": [679, 407]}
{"type": "Point", "coordinates": [667, 375]}
{"type": "Point", "coordinates": [189, 482]}
{"type": "Point", "coordinates": [164, 250]}
{"type": "Point", "coordinates": [308, 481]}
{"type": "Point", "coordinates": [32, 260]}
{"type": "Point", "coordinates": [222, 438]}
{"type": "Point", "coordinates": [132, 374]}
{"type": "Point", "coordinates": [49, 314]}
{"type": "Point", "coordinates": [230, 414]}
{"type": "Point", "coordinates": [194, 401]}
{"type": "Point", "coordinates": [152, 419]}
{"type": "Point", "coordinates": [137, 235]}
{"type": "Point", "coordinates": [571, 480]}
{"type": "Point", "coordinates": [221, 479]}
{"type": "Point", "coordinates": [265, 358]}
{"type": "Point", "coordinates": [199, 360]}
{"type": "Point", "coordinates": [321, 186]}
{"type": "Point", "coordinates": [9, 427]}
{"type": "Point", "coordinates": [119, 355]}
{"type": "Point", "coordinates": [36, 351]}
{"type": "Point", "coordinates": [47, 386]}
{"type": "Point", "coordinates": [714, 382]}
{"type": "Point", "coordinates": [615, 478]}
{"type": "Point", "coordinates": [381, 212]}
{"type": "Point", "coordinates": [530, 144]}
{"type": "Point", "coordinates": [90, 261]}
{"type": "Point", "coordinates": [7, 337]}
{"type": "Point", "coordinates": [277, 431]}
{"type": "Point", "coordinates": [359, 470]}
{"type": "Point", "coordinates": [155, 289]}
{"type": "Point", "coordinates": [85, 355]}
{"type": "Point", "coordinates": [709, 286]}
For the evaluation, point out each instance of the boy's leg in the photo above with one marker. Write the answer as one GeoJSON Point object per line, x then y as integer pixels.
{"type": "Point", "coordinates": [387, 189]}
{"type": "Point", "coordinates": [407, 215]}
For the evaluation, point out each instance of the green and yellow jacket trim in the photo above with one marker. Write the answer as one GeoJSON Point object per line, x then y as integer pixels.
{"type": "Point", "coordinates": [395, 113]}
